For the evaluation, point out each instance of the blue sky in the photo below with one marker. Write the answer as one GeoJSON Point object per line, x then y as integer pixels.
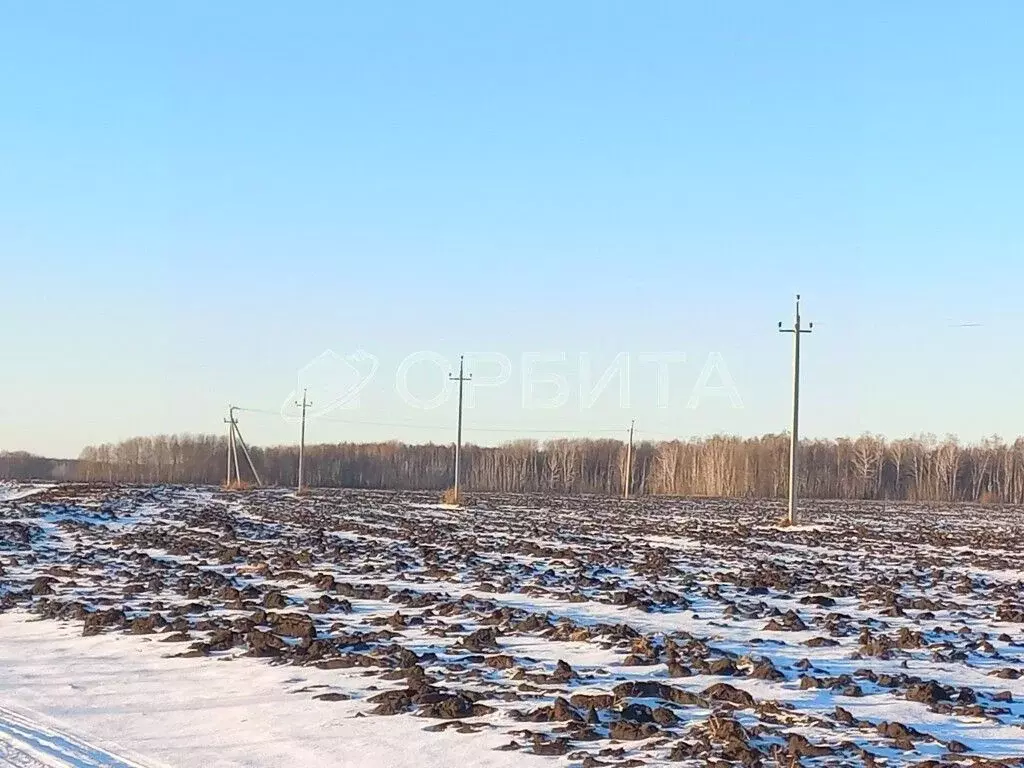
{"type": "Point", "coordinates": [198, 199]}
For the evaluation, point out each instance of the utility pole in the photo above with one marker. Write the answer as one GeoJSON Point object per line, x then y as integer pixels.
{"type": "Point", "coordinates": [302, 436]}
{"type": "Point", "coordinates": [245, 448]}
{"type": "Point", "coordinates": [794, 437]}
{"type": "Point", "coordinates": [458, 435]}
{"type": "Point", "coordinates": [629, 462]}
{"type": "Point", "coordinates": [234, 449]}
{"type": "Point", "coordinates": [231, 442]}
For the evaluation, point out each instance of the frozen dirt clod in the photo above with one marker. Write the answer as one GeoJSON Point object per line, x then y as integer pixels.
{"type": "Point", "coordinates": [640, 633]}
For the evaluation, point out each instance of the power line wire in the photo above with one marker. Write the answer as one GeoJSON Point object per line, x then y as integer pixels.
{"type": "Point", "coordinates": [414, 425]}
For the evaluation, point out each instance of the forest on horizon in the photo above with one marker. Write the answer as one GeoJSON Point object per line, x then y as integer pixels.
{"type": "Point", "coordinates": [922, 468]}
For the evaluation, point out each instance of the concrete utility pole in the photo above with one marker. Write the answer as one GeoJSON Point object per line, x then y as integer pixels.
{"type": "Point", "coordinates": [629, 462]}
{"type": "Point", "coordinates": [794, 438]}
{"type": "Point", "coordinates": [245, 448]}
{"type": "Point", "coordinates": [302, 437]}
{"type": "Point", "coordinates": [231, 444]}
{"type": "Point", "coordinates": [458, 436]}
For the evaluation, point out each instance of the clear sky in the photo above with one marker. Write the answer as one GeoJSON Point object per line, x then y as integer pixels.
{"type": "Point", "coordinates": [198, 200]}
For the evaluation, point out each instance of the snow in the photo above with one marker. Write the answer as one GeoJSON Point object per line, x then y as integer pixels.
{"type": "Point", "coordinates": [177, 712]}
{"type": "Point", "coordinates": [11, 491]}
{"type": "Point", "coordinates": [122, 700]}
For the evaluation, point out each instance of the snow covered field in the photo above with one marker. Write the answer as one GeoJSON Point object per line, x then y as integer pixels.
{"type": "Point", "coordinates": [186, 627]}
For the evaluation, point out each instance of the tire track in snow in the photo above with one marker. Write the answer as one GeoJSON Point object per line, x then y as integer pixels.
{"type": "Point", "coordinates": [25, 743]}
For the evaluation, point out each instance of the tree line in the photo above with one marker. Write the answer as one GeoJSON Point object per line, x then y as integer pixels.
{"type": "Point", "coordinates": [922, 468]}
{"type": "Point", "coordinates": [21, 465]}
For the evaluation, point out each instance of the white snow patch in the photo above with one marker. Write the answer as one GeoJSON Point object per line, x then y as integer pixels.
{"type": "Point", "coordinates": [184, 713]}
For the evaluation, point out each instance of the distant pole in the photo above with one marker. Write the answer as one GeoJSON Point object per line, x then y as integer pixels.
{"type": "Point", "coordinates": [302, 437]}
{"type": "Point", "coordinates": [230, 441]}
{"type": "Point", "coordinates": [794, 437]}
{"type": "Point", "coordinates": [629, 462]}
{"type": "Point", "coordinates": [234, 447]}
{"type": "Point", "coordinates": [458, 435]}
{"type": "Point", "coordinates": [245, 448]}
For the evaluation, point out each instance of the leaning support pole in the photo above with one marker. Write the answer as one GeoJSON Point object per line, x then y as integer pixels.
{"type": "Point", "coordinates": [245, 450]}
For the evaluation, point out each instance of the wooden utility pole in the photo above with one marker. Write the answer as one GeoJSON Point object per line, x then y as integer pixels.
{"type": "Point", "coordinates": [458, 435]}
{"type": "Point", "coordinates": [302, 437]}
{"type": "Point", "coordinates": [629, 462]}
{"type": "Point", "coordinates": [794, 437]}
